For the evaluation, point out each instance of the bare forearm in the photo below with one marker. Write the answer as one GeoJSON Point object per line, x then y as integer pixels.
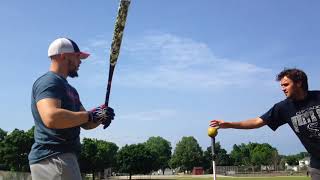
{"type": "Point", "coordinates": [247, 124]}
{"type": "Point", "coordinates": [61, 119]}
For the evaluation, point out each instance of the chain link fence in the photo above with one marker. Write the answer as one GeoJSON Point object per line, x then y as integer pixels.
{"type": "Point", "coordinates": [257, 171]}
{"type": "Point", "coordinates": [9, 175]}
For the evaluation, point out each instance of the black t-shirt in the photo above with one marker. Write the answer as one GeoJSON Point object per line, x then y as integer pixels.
{"type": "Point", "coordinates": [304, 119]}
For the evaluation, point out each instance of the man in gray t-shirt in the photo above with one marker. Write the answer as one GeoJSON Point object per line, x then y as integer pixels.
{"type": "Point", "coordinates": [58, 115]}
{"type": "Point", "coordinates": [300, 110]}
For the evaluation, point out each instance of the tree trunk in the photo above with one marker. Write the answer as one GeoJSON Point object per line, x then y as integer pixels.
{"type": "Point", "coordinates": [130, 176]}
{"type": "Point", "coordinates": [93, 175]}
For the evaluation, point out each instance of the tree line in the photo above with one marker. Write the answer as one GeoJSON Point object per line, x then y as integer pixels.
{"type": "Point", "coordinates": [144, 158]}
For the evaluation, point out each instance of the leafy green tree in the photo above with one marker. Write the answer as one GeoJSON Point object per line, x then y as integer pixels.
{"type": "Point", "coordinates": [292, 160]}
{"type": "Point", "coordinates": [207, 160]}
{"type": "Point", "coordinates": [97, 155]}
{"type": "Point", "coordinates": [222, 158]}
{"type": "Point", "coordinates": [187, 154]}
{"type": "Point", "coordinates": [135, 159]}
{"type": "Point", "coordinates": [2, 134]}
{"type": "Point", "coordinates": [87, 159]}
{"type": "Point", "coordinates": [14, 150]}
{"type": "Point", "coordinates": [161, 150]}
{"type": "Point", "coordinates": [282, 161]}
{"type": "Point", "coordinates": [240, 155]}
{"type": "Point", "coordinates": [253, 154]}
{"type": "Point", "coordinates": [302, 155]}
{"type": "Point", "coordinates": [262, 154]}
{"type": "Point", "coordinates": [275, 159]}
{"type": "Point", "coordinates": [107, 152]}
{"type": "Point", "coordinates": [30, 132]}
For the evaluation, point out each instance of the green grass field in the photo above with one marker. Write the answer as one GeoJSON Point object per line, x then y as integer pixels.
{"type": "Point", "coordinates": [209, 177]}
{"type": "Point", "coordinates": [251, 178]}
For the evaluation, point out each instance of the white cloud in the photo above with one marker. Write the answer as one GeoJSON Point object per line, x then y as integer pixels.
{"type": "Point", "coordinates": [162, 60]}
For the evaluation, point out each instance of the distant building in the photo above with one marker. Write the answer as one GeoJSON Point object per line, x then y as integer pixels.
{"type": "Point", "coordinates": [107, 173]}
{"type": "Point", "coordinates": [291, 168]}
{"type": "Point", "coordinates": [304, 162]}
{"type": "Point", "coordinates": [197, 171]}
{"type": "Point", "coordinates": [167, 171]}
{"type": "Point", "coordinates": [267, 168]}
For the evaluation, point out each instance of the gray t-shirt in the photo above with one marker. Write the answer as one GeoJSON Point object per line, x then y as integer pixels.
{"type": "Point", "coordinates": [48, 141]}
{"type": "Point", "coordinates": [304, 119]}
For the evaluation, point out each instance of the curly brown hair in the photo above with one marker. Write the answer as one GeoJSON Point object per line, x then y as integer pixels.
{"type": "Point", "coordinates": [296, 75]}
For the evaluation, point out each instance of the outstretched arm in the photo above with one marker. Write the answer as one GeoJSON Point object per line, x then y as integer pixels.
{"type": "Point", "coordinates": [246, 124]}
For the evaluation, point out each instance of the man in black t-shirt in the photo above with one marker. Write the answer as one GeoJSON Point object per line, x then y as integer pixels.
{"type": "Point", "coordinates": [300, 110]}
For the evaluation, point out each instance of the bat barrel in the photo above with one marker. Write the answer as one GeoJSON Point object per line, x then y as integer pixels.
{"type": "Point", "coordinates": [116, 42]}
{"type": "Point", "coordinates": [118, 30]}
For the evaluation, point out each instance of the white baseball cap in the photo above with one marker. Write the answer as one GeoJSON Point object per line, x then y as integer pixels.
{"type": "Point", "coordinates": [65, 45]}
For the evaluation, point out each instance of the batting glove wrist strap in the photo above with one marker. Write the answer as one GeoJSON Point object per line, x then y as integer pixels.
{"type": "Point", "coordinates": [101, 114]}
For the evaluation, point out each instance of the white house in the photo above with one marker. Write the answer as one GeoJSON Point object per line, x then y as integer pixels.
{"type": "Point", "coordinates": [291, 168]}
{"type": "Point", "coordinates": [304, 162]}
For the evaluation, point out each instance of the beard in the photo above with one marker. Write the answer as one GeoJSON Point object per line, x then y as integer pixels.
{"type": "Point", "coordinates": [73, 74]}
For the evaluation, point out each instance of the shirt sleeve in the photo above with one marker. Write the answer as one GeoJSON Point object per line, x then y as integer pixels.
{"type": "Point", "coordinates": [52, 90]}
{"type": "Point", "coordinates": [273, 117]}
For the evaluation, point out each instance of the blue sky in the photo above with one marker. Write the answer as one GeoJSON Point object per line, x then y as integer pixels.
{"type": "Point", "coordinates": [182, 63]}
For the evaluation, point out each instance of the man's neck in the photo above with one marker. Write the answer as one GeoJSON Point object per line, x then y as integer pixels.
{"type": "Point", "coordinates": [301, 96]}
{"type": "Point", "coordinates": [58, 69]}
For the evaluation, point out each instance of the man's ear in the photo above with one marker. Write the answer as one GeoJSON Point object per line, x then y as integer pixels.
{"type": "Point", "coordinates": [63, 56]}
